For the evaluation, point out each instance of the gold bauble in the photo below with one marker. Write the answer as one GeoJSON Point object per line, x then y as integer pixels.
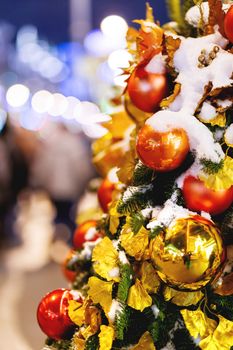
{"type": "Point", "coordinates": [189, 254]}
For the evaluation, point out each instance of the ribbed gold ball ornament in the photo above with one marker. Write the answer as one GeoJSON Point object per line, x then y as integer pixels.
{"type": "Point", "coordinates": [189, 254]}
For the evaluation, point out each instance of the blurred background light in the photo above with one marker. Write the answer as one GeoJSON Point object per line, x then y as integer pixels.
{"type": "Point", "coordinates": [59, 105]}
{"type": "Point", "coordinates": [17, 95]}
{"type": "Point", "coordinates": [114, 27]}
{"type": "Point", "coordinates": [42, 101]}
{"type": "Point", "coordinates": [119, 59]}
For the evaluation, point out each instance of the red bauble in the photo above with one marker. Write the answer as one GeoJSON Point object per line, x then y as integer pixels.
{"type": "Point", "coordinates": [162, 151]}
{"type": "Point", "coordinates": [86, 232]}
{"type": "Point", "coordinates": [69, 275]}
{"type": "Point", "coordinates": [105, 192]}
{"type": "Point", "coordinates": [200, 198]}
{"type": "Point", "coordinates": [228, 24]}
{"type": "Point", "coordinates": [147, 90]}
{"type": "Point", "coordinates": [52, 314]}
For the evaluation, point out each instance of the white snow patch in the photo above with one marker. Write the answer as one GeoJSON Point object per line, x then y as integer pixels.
{"type": "Point", "coordinates": [208, 112]}
{"type": "Point", "coordinates": [156, 65]}
{"type": "Point", "coordinates": [90, 234]}
{"type": "Point", "coordinates": [123, 258]}
{"type": "Point", "coordinates": [115, 272]}
{"type": "Point", "coordinates": [115, 309]}
{"type": "Point", "coordinates": [229, 135]}
{"type": "Point", "coordinates": [155, 310]}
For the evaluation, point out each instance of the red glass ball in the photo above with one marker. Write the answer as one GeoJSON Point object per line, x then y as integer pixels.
{"type": "Point", "coordinates": [162, 151]}
{"type": "Point", "coordinates": [52, 314]}
{"type": "Point", "coordinates": [69, 275]}
{"type": "Point", "coordinates": [200, 198]}
{"type": "Point", "coordinates": [147, 90]}
{"type": "Point", "coordinates": [105, 192]}
{"type": "Point", "coordinates": [86, 232]}
{"type": "Point", "coordinates": [228, 24]}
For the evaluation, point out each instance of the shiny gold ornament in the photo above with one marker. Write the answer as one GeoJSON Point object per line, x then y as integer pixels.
{"type": "Point", "coordinates": [189, 254]}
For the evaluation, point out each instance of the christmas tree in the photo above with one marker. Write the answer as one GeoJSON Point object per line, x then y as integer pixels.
{"type": "Point", "coordinates": [156, 270]}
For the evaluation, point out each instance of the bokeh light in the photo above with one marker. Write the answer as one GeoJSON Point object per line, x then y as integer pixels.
{"type": "Point", "coordinates": [17, 95]}
{"type": "Point", "coordinates": [42, 101]}
{"type": "Point", "coordinates": [59, 105]}
{"type": "Point", "coordinates": [114, 27]}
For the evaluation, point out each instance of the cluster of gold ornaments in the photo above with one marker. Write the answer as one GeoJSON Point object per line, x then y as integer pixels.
{"type": "Point", "coordinates": [189, 254]}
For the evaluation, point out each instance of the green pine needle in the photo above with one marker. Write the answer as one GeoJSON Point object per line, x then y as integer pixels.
{"type": "Point", "coordinates": [122, 322]}
{"type": "Point", "coordinates": [210, 167]}
{"type": "Point", "coordinates": [92, 342]}
{"type": "Point", "coordinates": [135, 199]}
{"type": "Point", "coordinates": [142, 175]}
{"type": "Point", "coordinates": [125, 282]}
{"type": "Point", "coordinates": [137, 220]}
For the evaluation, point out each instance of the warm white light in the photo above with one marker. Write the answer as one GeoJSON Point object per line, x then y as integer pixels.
{"type": "Point", "coordinates": [114, 27]}
{"type": "Point", "coordinates": [17, 95]}
{"type": "Point", "coordinates": [120, 80]}
{"type": "Point", "coordinates": [59, 105]}
{"type": "Point", "coordinates": [73, 104]}
{"type": "Point", "coordinates": [88, 113]}
{"type": "Point", "coordinates": [42, 101]}
{"type": "Point", "coordinates": [119, 59]}
{"type": "Point", "coordinates": [94, 131]}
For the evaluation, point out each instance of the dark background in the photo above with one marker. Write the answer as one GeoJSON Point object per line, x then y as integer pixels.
{"type": "Point", "coordinates": [51, 17]}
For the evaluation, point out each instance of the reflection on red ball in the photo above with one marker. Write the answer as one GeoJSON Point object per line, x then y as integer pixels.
{"type": "Point", "coordinates": [52, 314]}
{"type": "Point", "coordinates": [228, 24]}
{"type": "Point", "coordinates": [162, 151]}
{"type": "Point", "coordinates": [86, 232]}
{"type": "Point", "coordinates": [105, 192]}
{"type": "Point", "coordinates": [200, 198]}
{"type": "Point", "coordinates": [147, 90]}
{"type": "Point", "coordinates": [69, 275]}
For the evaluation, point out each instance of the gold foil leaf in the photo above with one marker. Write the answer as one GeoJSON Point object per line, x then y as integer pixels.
{"type": "Point", "coordinates": [221, 338]}
{"type": "Point", "coordinates": [168, 100]}
{"type": "Point", "coordinates": [198, 323]}
{"type": "Point", "coordinates": [105, 260]}
{"type": "Point", "coordinates": [79, 343]}
{"type": "Point", "coordinates": [138, 297]}
{"type": "Point", "coordinates": [145, 343]}
{"type": "Point", "coordinates": [76, 312]}
{"type": "Point", "coordinates": [100, 292]}
{"type": "Point", "coordinates": [149, 278]}
{"type": "Point", "coordinates": [106, 337]}
{"type": "Point", "coordinates": [223, 179]}
{"type": "Point", "coordinates": [182, 298]}
{"type": "Point", "coordinates": [134, 244]}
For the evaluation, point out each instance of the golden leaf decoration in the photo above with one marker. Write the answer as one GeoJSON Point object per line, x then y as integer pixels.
{"type": "Point", "coordinates": [114, 218]}
{"type": "Point", "coordinates": [118, 125]}
{"type": "Point", "coordinates": [76, 312]}
{"type": "Point", "coordinates": [145, 343]}
{"type": "Point", "coordinates": [80, 344]}
{"type": "Point", "coordinates": [221, 338]}
{"type": "Point", "coordinates": [223, 179]}
{"type": "Point", "coordinates": [182, 298]}
{"type": "Point", "coordinates": [93, 318]}
{"type": "Point", "coordinates": [138, 298]}
{"type": "Point", "coordinates": [172, 45]}
{"type": "Point", "coordinates": [149, 278]}
{"type": "Point", "coordinates": [125, 173]}
{"type": "Point", "coordinates": [100, 292]}
{"type": "Point", "coordinates": [105, 259]}
{"type": "Point", "coordinates": [168, 100]}
{"type": "Point", "coordinates": [220, 120]}
{"type": "Point", "coordinates": [198, 323]}
{"type": "Point", "coordinates": [106, 337]}
{"type": "Point", "coordinates": [134, 244]}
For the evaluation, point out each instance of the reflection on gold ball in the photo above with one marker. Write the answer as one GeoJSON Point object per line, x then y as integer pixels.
{"type": "Point", "coordinates": [189, 254]}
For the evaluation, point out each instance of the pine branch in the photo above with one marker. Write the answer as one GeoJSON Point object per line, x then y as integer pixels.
{"type": "Point", "coordinates": [135, 199]}
{"type": "Point", "coordinates": [227, 224]}
{"type": "Point", "coordinates": [59, 345]}
{"type": "Point", "coordinates": [122, 322]}
{"type": "Point", "coordinates": [142, 175]}
{"type": "Point", "coordinates": [183, 341]}
{"type": "Point", "coordinates": [92, 342]}
{"type": "Point", "coordinates": [210, 167]}
{"type": "Point", "coordinates": [125, 282]}
{"type": "Point", "coordinates": [137, 220]}
{"type": "Point", "coordinates": [222, 305]}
